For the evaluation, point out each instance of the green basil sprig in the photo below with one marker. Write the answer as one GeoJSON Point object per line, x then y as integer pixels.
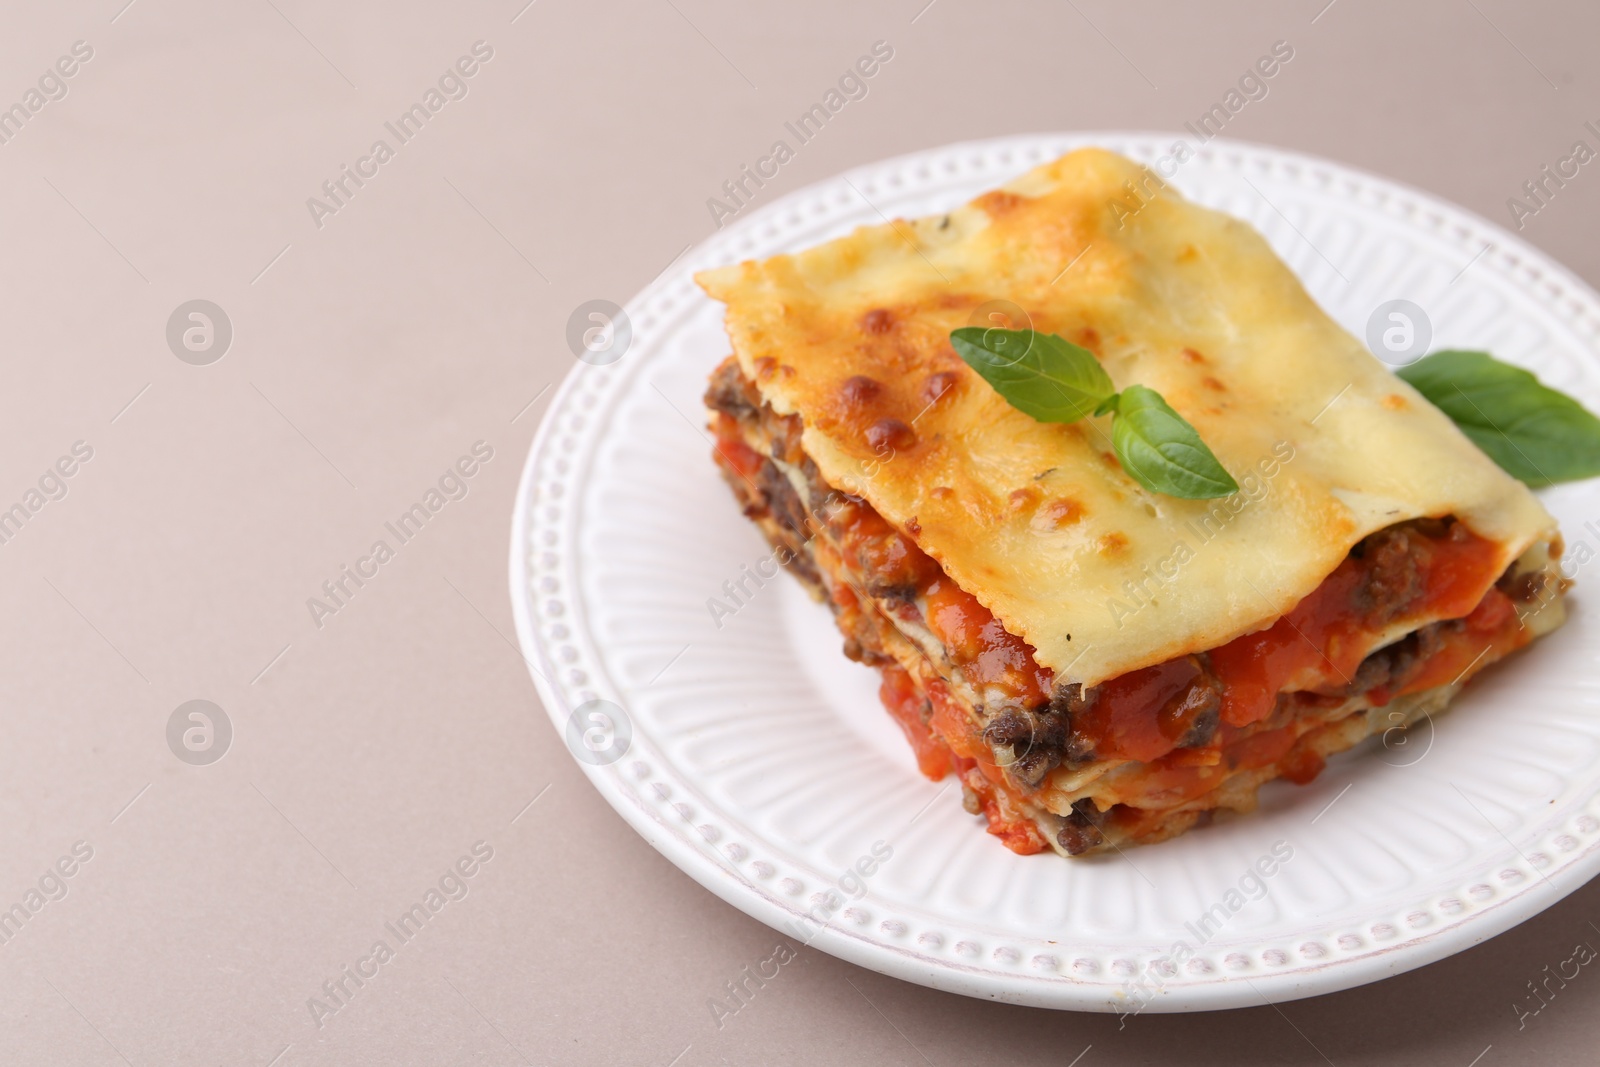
{"type": "Point", "coordinates": [1039, 374]}
{"type": "Point", "coordinates": [1161, 451]}
{"type": "Point", "coordinates": [1053, 380]}
{"type": "Point", "coordinates": [1536, 434]}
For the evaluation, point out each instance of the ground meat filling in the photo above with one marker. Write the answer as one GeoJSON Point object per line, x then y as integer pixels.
{"type": "Point", "coordinates": [769, 494]}
{"type": "Point", "coordinates": [782, 501]}
{"type": "Point", "coordinates": [1394, 574]}
{"type": "Point", "coordinates": [1037, 739]}
{"type": "Point", "coordinates": [1395, 560]}
{"type": "Point", "coordinates": [1081, 831]}
{"type": "Point", "coordinates": [1193, 715]}
{"type": "Point", "coordinates": [1041, 739]}
{"type": "Point", "coordinates": [731, 393]}
{"type": "Point", "coordinates": [1393, 665]}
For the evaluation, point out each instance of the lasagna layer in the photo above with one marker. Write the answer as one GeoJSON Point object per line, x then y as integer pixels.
{"type": "Point", "coordinates": [1038, 521]}
{"type": "Point", "coordinates": [1412, 612]}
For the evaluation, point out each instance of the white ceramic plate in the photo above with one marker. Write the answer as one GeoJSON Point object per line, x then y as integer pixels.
{"type": "Point", "coordinates": [758, 759]}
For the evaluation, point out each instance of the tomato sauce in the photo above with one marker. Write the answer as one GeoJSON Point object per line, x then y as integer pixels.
{"type": "Point", "coordinates": [744, 460]}
{"type": "Point", "coordinates": [1492, 627]}
{"type": "Point", "coordinates": [987, 653]}
{"type": "Point", "coordinates": [946, 741]}
{"type": "Point", "coordinates": [905, 703]}
{"type": "Point", "coordinates": [1319, 645]}
{"type": "Point", "coordinates": [1006, 821]}
{"type": "Point", "coordinates": [1125, 720]}
{"type": "Point", "coordinates": [1323, 639]}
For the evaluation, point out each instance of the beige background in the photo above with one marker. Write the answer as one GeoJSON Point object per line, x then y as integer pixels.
{"type": "Point", "coordinates": [425, 315]}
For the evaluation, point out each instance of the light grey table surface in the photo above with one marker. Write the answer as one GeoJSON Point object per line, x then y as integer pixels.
{"type": "Point", "coordinates": [373, 345]}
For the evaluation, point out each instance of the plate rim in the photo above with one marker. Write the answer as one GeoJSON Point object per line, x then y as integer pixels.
{"type": "Point", "coordinates": [1054, 991]}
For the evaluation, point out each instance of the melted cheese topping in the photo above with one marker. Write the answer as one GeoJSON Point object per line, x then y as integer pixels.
{"type": "Point", "coordinates": [1038, 521]}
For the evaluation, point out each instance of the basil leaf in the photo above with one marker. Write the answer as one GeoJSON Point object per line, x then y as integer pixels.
{"type": "Point", "coordinates": [1536, 434]}
{"type": "Point", "coordinates": [1040, 374]}
{"type": "Point", "coordinates": [1162, 452]}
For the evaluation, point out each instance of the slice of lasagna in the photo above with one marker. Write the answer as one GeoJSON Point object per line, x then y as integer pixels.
{"type": "Point", "coordinates": [1099, 664]}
